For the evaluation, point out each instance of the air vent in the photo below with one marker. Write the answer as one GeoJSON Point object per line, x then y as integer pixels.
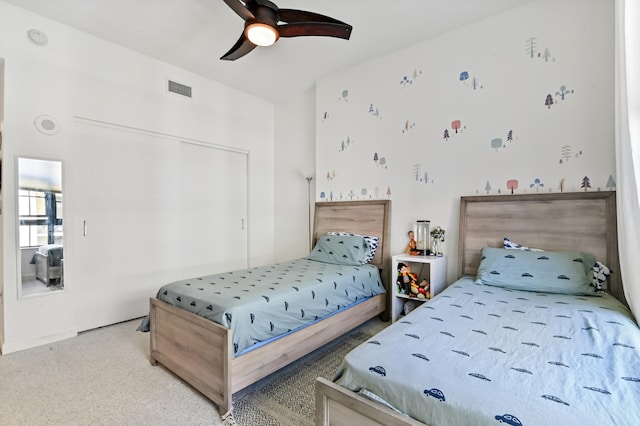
{"type": "Point", "coordinates": [180, 89]}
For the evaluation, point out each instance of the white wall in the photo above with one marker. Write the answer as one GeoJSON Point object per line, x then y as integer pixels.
{"type": "Point", "coordinates": [399, 106]}
{"type": "Point", "coordinates": [77, 75]}
{"type": "Point", "coordinates": [294, 160]}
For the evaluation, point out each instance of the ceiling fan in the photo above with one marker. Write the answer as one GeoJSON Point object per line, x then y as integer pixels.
{"type": "Point", "coordinates": [265, 23]}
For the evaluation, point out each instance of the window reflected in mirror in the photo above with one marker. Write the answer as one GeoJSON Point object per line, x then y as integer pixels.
{"type": "Point", "coordinates": [40, 226]}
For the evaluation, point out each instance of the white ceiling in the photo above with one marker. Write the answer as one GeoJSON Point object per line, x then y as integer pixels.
{"type": "Point", "coordinates": [193, 34]}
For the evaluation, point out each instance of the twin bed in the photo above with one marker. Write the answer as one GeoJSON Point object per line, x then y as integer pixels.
{"type": "Point", "coordinates": [271, 316]}
{"type": "Point", "coordinates": [511, 341]}
{"type": "Point", "coordinates": [48, 261]}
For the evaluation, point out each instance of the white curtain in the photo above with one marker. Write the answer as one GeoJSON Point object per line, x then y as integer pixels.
{"type": "Point", "coordinates": [627, 69]}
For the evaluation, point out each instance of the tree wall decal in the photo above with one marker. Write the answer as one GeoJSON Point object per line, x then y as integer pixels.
{"type": "Point", "coordinates": [531, 46]}
{"type": "Point", "coordinates": [417, 171]}
{"type": "Point", "coordinates": [562, 92]}
{"type": "Point", "coordinates": [487, 188]}
{"type": "Point", "coordinates": [537, 183]}
{"type": "Point", "coordinates": [561, 185]}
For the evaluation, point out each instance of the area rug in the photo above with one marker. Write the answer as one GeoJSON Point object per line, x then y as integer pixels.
{"type": "Point", "coordinates": [287, 397]}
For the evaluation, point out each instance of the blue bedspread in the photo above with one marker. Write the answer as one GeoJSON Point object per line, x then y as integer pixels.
{"type": "Point", "coordinates": [261, 303]}
{"type": "Point", "coordinates": [479, 355]}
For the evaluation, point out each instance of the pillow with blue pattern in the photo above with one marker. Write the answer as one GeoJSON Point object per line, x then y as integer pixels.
{"type": "Point", "coordinates": [600, 271]}
{"type": "Point", "coordinates": [341, 250]}
{"type": "Point", "coordinates": [564, 272]}
{"type": "Point", "coordinates": [373, 242]}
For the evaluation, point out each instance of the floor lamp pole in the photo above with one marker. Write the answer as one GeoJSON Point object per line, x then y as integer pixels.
{"type": "Point", "coordinates": [309, 178]}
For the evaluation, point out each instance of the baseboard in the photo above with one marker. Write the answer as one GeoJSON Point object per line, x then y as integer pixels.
{"type": "Point", "coordinates": [10, 347]}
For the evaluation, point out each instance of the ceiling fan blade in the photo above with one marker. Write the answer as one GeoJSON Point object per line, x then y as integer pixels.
{"type": "Point", "coordinates": [315, 29]}
{"type": "Point", "coordinates": [293, 15]}
{"type": "Point", "coordinates": [238, 7]}
{"type": "Point", "coordinates": [241, 48]}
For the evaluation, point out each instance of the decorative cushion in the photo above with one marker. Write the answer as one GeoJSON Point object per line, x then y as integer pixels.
{"type": "Point", "coordinates": [373, 242]}
{"type": "Point", "coordinates": [341, 250]}
{"type": "Point", "coordinates": [600, 274]}
{"type": "Point", "coordinates": [508, 244]}
{"type": "Point", "coordinates": [600, 271]}
{"type": "Point", "coordinates": [565, 272]}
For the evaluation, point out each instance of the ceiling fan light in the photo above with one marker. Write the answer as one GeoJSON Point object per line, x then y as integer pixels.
{"type": "Point", "coordinates": [261, 34]}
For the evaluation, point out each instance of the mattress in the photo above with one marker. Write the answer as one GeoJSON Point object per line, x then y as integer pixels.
{"type": "Point", "coordinates": [480, 355]}
{"type": "Point", "coordinates": [262, 303]}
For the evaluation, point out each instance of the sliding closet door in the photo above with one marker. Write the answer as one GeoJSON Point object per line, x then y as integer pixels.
{"type": "Point", "coordinates": [213, 200]}
{"type": "Point", "coordinates": [144, 210]}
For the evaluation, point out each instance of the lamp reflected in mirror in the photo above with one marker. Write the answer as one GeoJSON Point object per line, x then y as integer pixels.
{"type": "Point", "coordinates": [40, 226]}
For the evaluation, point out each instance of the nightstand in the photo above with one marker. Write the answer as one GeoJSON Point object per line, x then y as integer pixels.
{"type": "Point", "coordinates": [431, 268]}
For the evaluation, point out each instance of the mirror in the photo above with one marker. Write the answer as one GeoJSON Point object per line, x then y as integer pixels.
{"type": "Point", "coordinates": [40, 236]}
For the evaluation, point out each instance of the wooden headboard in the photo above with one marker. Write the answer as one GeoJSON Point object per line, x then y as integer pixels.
{"type": "Point", "coordinates": [553, 221]}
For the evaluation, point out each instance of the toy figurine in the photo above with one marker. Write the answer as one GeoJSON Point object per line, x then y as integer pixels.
{"type": "Point", "coordinates": [424, 291]}
{"type": "Point", "coordinates": [411, 247]}
{"type": "Point", "coordinates": [437, 238]}
{"type": "Point", "coordinates": [406, 280]}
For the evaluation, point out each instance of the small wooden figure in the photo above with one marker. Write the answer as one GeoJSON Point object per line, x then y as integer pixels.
{"type": "Point", "coordinates": [411, 247]}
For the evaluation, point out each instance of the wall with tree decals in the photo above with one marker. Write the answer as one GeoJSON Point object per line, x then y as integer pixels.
{"type": "Point", "coordinates": [520, 102]}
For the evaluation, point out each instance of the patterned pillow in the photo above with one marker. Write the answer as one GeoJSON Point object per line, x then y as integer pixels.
{"type": "Point", "coordinates": [600, 271]}
{"type": "Point", "coordinates": [563, 272]}
{"type": "Point", "coordinates": [600, 274]}
{"type": "Point", "coordinates": [508, 244]}
{"type": "Point", "coordinates": [373, 242]}
{"type": "Point", "coordinates": [341, 250]}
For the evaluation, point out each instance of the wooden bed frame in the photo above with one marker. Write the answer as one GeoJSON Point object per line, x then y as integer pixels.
{"type": "Point", "coordinates": [562, 221]}
{"type": "Point", "coordinates": [200, 351]}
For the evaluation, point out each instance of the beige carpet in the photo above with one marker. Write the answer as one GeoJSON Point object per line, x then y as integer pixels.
{"type": "Point", "coordinates": [103, 377]}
